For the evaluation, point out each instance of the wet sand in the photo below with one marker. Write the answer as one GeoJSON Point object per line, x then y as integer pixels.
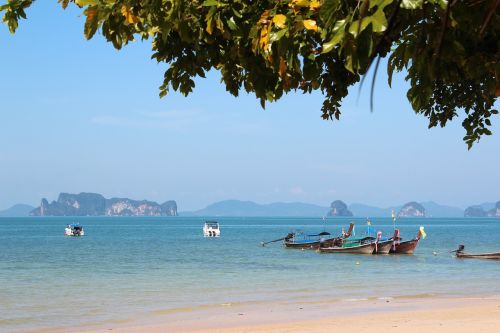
{"type": "Point", "coordinates": [409, 315]}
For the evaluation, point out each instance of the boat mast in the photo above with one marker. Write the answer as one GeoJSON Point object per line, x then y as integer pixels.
{"type": "Point", "coordinates": [394, 219]}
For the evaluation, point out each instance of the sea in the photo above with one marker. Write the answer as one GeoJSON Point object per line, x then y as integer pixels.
{"type": "Point", "coordinates": [135, 267]}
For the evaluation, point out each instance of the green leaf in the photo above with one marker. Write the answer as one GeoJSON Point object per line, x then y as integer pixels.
{"type": "Point", "coordinates": [378, 21]}
{"type": "Point", "coordinates": [355, 28]}
{"type": "Point", "coordinates": [380, 4]}
{"type": "Point", "coordinates": [349, 63]}
{"type": "Point", "coordinates": [441, 3]}
{"type": "Point", "coordinates": [210, 19]}
{"type": "Point", "coordinates": [328, 46]}
{"type": "Point", "coordinates": [390, 72]}
{"type": "Point", "coordinates": [276, 35]}
{"type": "Point", "coordinates": [91, 23]}
{"type": "Point", "coordinates": [83, 3]}
{"type": "Point", "coordinates": [231, 24]}
{"type": "Point", "coordinates": [210, 3]}
{"type": "Point", "coordinates": [412, 4]}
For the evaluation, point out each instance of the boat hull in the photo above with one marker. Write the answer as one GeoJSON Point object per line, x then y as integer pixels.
{"type": "Point", "coordinates": [358, 249]}
{"type": "Point", "coordinates": [383, 247]}
{"type": "Point", "coordinates": [309, 245]}
{"type": "Point", "coordinates": [490, 256]}
{"type": "Point", "coordinates": [406, 247]}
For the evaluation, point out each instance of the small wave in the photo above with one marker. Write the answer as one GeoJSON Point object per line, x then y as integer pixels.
{"type": "Point", "coordinates": [416, 296]}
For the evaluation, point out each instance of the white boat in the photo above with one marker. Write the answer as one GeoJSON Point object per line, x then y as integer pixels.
{"type": "Point", "coordinates": [211, 229]}
{"type": "Point", "coordinates": [74, 230]}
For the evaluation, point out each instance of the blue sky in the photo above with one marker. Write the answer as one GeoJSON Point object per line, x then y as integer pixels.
{"type": "Point", "coordinates": [77, 115]}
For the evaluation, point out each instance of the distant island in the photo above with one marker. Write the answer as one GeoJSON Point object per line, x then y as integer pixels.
{"type": "Point", "coordinates": [18, 210]}
{"type": "Point", "coordinates": [480, 211]}
{"type": "Point", "coordinates": [251, 209]}
{"type": "Point", "coordinates": [339, 208]}
{"type": "Point", "coordinates": [412, 209]}
{"type": "Point", "coordinates": [93, 204]}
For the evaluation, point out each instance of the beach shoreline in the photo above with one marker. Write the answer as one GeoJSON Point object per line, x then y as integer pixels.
{"type": "Point", "coordinates": [428, 314]}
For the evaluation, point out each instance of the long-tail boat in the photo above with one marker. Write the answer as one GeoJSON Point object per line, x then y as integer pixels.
{"type": "Point", "coordinates": [382, 246]}
{"type": "Point", "coordinates": [404, 247]}
{"type": "Point", "coordinates": [294, 241]}
{"type": "Point", "coordinates": [365, 245]}
{"type": "Point", "coordinates": [347, 247]}
{"type": "Point", "coordinates": [461, 254]}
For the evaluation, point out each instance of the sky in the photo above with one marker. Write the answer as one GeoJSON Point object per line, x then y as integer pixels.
{"type": "Point", "coordinates": [80, 116]}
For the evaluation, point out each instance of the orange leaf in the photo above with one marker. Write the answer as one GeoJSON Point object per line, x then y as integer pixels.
{"type": "Point", "coordinates": [315, 5]}
{"type": "Point", "coordinates": [279, 20]}
{"type": "Point", "coordinates": [300, 3]}
{"type": "Point", "coordinates": [310, 25]}
{"type": "Point", "coordinates": [283, 68]}
{"type": "Point", "coordinates": [263, 17]}
{"type": "Point", "coordinates": [264, 38]}
{"type": "Point", "coordinates": [129, 16]}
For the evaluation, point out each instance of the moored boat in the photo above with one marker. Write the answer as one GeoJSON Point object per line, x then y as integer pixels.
{"type": "Point", "coordinates": [365, 245]}
{"type": "Point", "coordinates": [302, 241]}
{"type": "Point", "coordinates": [211, 229]}
{"type": "Point", "coordinates": [354, 248]}
{"type": "Point", "coordinates": [405, 247]}
{"type": "Point", "coordinates": [461, 254]}
{"type": "Point", "coordinates": [74, 230]}
{"type": "Point", "coordinates": [383, 247]}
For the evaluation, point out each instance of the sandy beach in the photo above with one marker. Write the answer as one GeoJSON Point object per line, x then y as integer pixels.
{"type": "Point", "coordinates": [141, 281]}
{"type": "Point", "coordinates": [388, 315]}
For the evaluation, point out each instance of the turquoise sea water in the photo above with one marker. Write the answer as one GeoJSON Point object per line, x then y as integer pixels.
{"type": "Point", "coordinates": [134, 267]}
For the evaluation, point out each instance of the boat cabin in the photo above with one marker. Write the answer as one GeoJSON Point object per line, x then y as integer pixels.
{"type": "Point", "coordinates": [211, 229]}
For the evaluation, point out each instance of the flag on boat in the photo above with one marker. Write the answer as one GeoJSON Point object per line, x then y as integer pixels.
{"type": "Point", "coordinates": [393, 216]}
{"type": "Point", "coordinates": [422, 233]}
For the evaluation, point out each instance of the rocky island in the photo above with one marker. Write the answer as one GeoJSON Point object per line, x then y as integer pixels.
{"type": "Point", "coordinates": [412, 209]}
{"type": "Point", "coordinates": [93, 204]}
{"type": "Point", "coordinates": [339, 208]}
{"type": "Point", "coordinates": [479, 211]}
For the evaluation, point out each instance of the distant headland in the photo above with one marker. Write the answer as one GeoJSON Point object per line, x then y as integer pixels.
{"type": "Point", "coordinates": [481, 211]}
{"type": "Point", "coordinates": [94, 204]}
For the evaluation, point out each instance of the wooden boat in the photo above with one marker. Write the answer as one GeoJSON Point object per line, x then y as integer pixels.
{"type": "Point", "coordinates": [294, 241]}
{"type": "Point", "coordinates": [404, 247]}
{"type": "Point", "coordinates": [367, 248]}
{"type": "Point", "coordinates": [383, 247]}
{"type": "Point", "coordinates": [461, 254]}
{"type": "Point", "coordinates": [306, 243]}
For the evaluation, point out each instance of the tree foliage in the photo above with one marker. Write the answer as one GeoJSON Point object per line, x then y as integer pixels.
{"type": "Point", "coordinates": [449, 49]}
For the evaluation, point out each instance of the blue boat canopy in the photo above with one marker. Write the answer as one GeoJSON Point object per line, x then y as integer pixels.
{"type": "Point", "coordinates": [323, 233]}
